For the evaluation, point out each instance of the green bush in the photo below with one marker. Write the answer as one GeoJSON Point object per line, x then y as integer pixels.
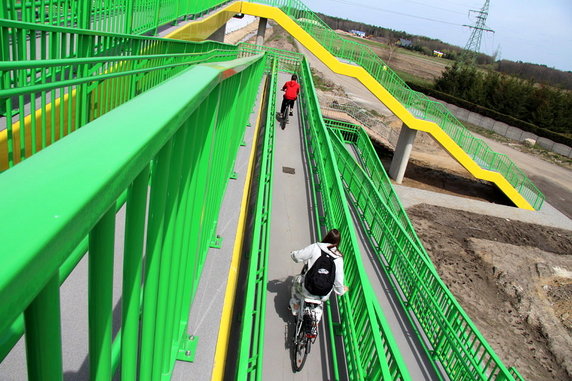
{"type": "Point", "coordinates": [540, 105]}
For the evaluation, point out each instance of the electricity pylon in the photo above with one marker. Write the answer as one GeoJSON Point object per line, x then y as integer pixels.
{"type": "Point", "coordinates": [473, 45]}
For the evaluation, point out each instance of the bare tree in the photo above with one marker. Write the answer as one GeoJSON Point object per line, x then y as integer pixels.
{"type": "Point", "coordinates": [391, 48]}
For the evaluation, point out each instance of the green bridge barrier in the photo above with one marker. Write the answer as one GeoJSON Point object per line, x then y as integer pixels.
{"type": "Point", "coordinates": [449, 337]}
{"type": "Point", "coordinates": [154, 131]}
{"type": "Point", "coordinates": [76, 76]}
{"type": "Point", "coordinates": [373, 171]}
{"type": "Point", "coordinates": [250, 353]}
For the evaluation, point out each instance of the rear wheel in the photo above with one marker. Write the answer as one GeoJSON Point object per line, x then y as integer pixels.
{"type": "Point", "coordinates": [301, 351]}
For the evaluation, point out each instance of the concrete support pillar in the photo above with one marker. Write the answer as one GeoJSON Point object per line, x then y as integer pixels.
{"type": "Point", "coordinates": [402, 153]}
{"type": "Point", "coordinates": [219, 34]}
{"type": "Point", "coordinates": [261, 31]}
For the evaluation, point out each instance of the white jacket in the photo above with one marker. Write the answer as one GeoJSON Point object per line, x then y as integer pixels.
{"type": "Point", "coordinates": [311, 253]}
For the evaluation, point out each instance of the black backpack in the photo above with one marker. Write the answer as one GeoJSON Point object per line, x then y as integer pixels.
{"type": "Point", "coordinates": [319, 280]}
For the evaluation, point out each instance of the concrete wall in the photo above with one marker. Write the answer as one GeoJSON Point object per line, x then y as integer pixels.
{"type": "Point", "coordinates": [507, 131]}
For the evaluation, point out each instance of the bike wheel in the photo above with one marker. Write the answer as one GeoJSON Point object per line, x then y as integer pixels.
{"type": "Point", "coordinates": [300, 352]}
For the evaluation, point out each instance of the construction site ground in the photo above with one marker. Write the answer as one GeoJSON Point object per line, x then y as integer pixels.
{"type": "Point", "coordinates": [510, 270]}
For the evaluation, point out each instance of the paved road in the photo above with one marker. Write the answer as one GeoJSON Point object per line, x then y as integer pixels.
{"type": "Point", "coordinates": [554, 181]}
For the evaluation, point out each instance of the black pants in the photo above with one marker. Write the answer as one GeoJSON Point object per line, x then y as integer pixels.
{"type": "Point", "coordinates": [285, 104]}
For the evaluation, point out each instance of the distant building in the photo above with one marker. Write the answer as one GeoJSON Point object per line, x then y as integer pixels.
{"type": "Point", "coordinates": [405, 43]}
{"type": "Point", "coordinates": [437, 53]}
{"type": "Point", "coordinates": [358, 33]}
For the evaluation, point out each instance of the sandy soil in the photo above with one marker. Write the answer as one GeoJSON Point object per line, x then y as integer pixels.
{"type": "Point", "coordinates": [513, 279]}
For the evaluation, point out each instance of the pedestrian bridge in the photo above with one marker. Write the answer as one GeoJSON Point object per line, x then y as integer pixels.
{"type": "Point", "coordinates": [151, 221]}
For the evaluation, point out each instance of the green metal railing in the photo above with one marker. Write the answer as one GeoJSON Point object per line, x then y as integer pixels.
{"type": "Point", "coordinates": [452, 341]}
{"type": "Point", "coordinates": [49, 91]}
{"type": "Point", "coordinates": [176, 129]}
{"type": "Point", "coordinates": [118, 16]}
{"type": "Point", "coordinates": [417, 103]}
{"type": "Point", "coordinates": [373, 171]}
{"type": "Point", "coordinates": [369, 347]}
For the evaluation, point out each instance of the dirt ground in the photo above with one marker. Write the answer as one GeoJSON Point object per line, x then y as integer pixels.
{"type": "Point", "coordinates": [513, 279]}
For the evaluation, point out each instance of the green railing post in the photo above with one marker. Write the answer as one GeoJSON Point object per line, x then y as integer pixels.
{"type": "Point", "coordinates": [100, 290]}
{"type": "Point", "coordinates": [169, 262]}
{"type": "Point", "coordinates": [84, 17]}
{"type": "Point", "coordinates": [132, 274]}
{"type": "Point", "coordinates": [155, 237]}
{"type": "Point", "coordinates": [156, 17]}
{"type": "Point", "coordinates": [129, 17]}
{"type": "Point", "coordinates": [43, 334]}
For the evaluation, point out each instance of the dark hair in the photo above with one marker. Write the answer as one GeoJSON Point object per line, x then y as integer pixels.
{"type": "Point", "coordinates": [333, 237]}
{"type": "Point", "coordinates": [294, 77]}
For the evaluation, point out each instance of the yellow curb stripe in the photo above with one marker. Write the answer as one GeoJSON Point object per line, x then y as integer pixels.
{"type": "Point", "coordinates": [230, 294]}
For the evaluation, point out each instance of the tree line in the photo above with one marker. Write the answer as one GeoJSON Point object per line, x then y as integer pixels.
{"type": "Point", "coordinates": [426, 45]}
{"type": "Point", "coordinates": [539, 104]}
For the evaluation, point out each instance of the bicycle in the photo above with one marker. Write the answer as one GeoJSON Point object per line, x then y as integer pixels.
{"type": "Point", "coordinates": [306, 331]}
{"type": "Point", "coordinates": [283, 120]}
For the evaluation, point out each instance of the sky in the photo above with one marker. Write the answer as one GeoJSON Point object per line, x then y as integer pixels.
{"type": "Point", "coordinates": [536, 31]}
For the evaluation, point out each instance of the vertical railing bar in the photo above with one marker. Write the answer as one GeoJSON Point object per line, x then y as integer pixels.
{"type": "Point", "coordinates": [100, 292]}
{"type": "Point", "coordinates": [43, 334]}
{"type": "Point", "coordinates": [155, 236]}
{"type": "Point", "coordinates": [132, 273]}
{"type": "Point", "coordinates": [165, 302]}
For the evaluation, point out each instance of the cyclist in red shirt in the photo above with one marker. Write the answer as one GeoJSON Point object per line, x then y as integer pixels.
{"type": "Point", "coordinates": [292, 89]}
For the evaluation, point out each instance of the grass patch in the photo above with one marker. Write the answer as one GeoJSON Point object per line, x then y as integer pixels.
{"type": "Point", "coordinates": [320, 82]}
{"type": "Point", "coordinates": [407, 77]}
{"type": "Point", "coordinates": [375, 113]}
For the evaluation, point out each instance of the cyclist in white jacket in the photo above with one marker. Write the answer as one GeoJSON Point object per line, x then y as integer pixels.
{"type": "Point", "coordinates": [309, 255]}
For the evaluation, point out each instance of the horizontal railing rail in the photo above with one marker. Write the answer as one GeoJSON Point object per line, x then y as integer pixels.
{"type": "Point", "coordinates": [177, 129]}
{"type": "Point", "coordinates": [119, 16]}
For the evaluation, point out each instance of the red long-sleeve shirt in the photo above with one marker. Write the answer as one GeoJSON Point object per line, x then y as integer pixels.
{"type": "Point", "coordinates": [292, 89]}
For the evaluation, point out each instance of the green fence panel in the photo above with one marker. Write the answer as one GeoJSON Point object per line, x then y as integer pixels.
{"type": "Point", "coordinates": [451, 340]}
{"type": "Point", "coordinates": [73, 201]}
{"type": "Point", "coordinates": [50, 92]}
{"type": "Point", "coordinates": [368, 161]}
{"type": "Point", "coordinates": [250, 354]}
{"type": "Point", "coordinates": [370, 349]}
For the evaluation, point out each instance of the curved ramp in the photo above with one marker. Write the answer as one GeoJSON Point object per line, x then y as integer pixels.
{"type": "Point", "coordinates": [413, 109]}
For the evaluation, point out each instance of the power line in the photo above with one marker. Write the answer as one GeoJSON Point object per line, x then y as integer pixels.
{"type": "Point", "coordinates": [395, 12]}
{"type": "Point", "coordinates": [434, 7]}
